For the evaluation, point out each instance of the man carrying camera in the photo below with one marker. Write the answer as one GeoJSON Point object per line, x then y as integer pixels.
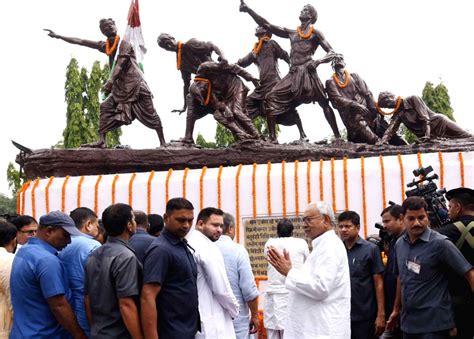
{"type": "Point", "coordinates": [461, 232]}
{"type": "Point", "coordinates": [392, 220]}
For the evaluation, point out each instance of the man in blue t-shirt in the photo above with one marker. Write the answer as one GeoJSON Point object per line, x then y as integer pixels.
{"type": "Point", "coordinates": [74, 258]}
{"type": "Point", "coordinates": [40, 292]}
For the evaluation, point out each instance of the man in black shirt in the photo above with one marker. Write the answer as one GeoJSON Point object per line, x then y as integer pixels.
{"type": "Point", "coordinates": [461, 233]}
{"type": "Point", "coordinates": [169, 301]}
{"type": "Point", "coordinates": [113, 279]}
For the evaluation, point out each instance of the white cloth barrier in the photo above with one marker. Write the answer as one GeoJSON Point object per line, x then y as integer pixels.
{"type": "Point", "coordinates": [263, 191]}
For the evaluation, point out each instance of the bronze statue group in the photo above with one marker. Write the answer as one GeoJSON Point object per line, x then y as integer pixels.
{"type": "Point", "coordinates": [218, 88]}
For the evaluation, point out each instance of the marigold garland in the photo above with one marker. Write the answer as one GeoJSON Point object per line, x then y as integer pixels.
{"type": "Point", "coordinates": [441, 169]}
{"type": "Point", "coordinates": [382, 174]}
{"type": "Point", "coordinates": [258, 45]}
{"type": "Point", "coordinates": [96, 194]}
{"type": "Point", "coordinates": [269, 188]}
{"type": "Point", "coordinates": [402, 176]}
{"type": "Point", "coordinates": [237, 203]}
{"type": "Point", "coordinates": [109, 51]}
{"type": "Point", "coordinates": [461, 168]}
{"type": "Point", "coordinates": [208, 95]}
{"type": "Point", "coordinates": [167, 185]}
{"type": "Point", "coordinates": [148, 192]}
{"type": "Point", "coordinates": [179, 53]}
{"type": "Point", "coordinates": [364, 203]}
{"type": "Point", "coordinates": [219, 176]}
{"type": "Point", "coordinates": [254, 191]}
{"type": "Point", "coordinates": [307, 35]}
{"type": "Point", "coordinates": [46, 193]}
{"type": "Point", "coordinates": [283, 188]}
{"type": "Point", "coordinates": [297, 194]}
{"type": "Point", "coordinates": [338, 83]}
{"type": "Point", "coordinates": [23, 192]}
{"type": "Point", "coordinates": [33, 198]}
{"type": "Point", "coordinates": [420, 163]}
{"type": "Point", "coordinates": [321, 182]}
{"type": "Point", "coordinates": [395, 110]}
{"type": "Point", "coordinates": [79, 191]}
{"type": "Point", "coordinates": [185, 176]}
{"type": "Point", "coordinates": [130, 189]}
{"type": "Point", "coordinates": [333, 186]}
{"type": "Point", "coordinates": [63, 194]}
{"type": "Point", "coordinates": [114, 182]}
{"type": "Point", "coordinates": [201, 187]}
{"type": "Point", "coordinates": [346, 184]}
{"type": "Point", "coordinates": [308, 180]}
{"type": "Point", "coordinates": [18, 199]}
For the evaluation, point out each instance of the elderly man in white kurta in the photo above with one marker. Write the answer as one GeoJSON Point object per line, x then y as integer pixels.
{"type": "Point", "coordinates": [319, 301]}
{"type": "Point", "coordinates": [217, 303]}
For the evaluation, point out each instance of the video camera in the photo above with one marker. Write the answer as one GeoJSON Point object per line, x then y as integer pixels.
{"type": "Point", "coordinates": [383, 238]}
{"type": "Point", "coordinates": [428, 190]}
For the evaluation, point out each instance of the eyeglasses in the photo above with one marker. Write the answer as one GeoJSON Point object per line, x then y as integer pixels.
{"type": "Point", "coordinates": [29, 232]}
{"type": "Point", "coordinates": [307, 220]}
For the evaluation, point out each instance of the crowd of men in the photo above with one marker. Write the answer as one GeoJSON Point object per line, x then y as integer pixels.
{"type": "Point", "coordinates": [194, 281]}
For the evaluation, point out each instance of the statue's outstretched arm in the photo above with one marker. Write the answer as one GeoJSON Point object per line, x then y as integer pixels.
{"type": "Point", "coordinates": [75, 41]}
{"type": "Point", "coordinates": [279, 31]}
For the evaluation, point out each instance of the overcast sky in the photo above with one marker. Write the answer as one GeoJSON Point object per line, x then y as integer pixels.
{"type": "Point", "coordinates": [394, 45]}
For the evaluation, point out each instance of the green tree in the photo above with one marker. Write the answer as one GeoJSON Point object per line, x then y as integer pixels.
{"type": "Point", "coordinates": [7, 205]}
{"type": "Point", "coordinates": [14, 179]}
{"type": "Point", "coordinates": [75, 132]}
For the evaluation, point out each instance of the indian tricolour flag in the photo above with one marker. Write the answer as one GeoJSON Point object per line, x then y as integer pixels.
{"type": "Point", "coordinates": [133, 33]}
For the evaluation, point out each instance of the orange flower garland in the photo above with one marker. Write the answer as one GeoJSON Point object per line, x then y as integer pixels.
{"type": "Point", "coordinates": [219, 176]}
{"type": "Point", "coordinates": [130, 189]}
{"type": "Point", "coordinates": [420, 163]}
{"type": "Point", "coordinates": [254, 191]}
{"type": "Point", "coordinates": [24, 188]}
{"type": "Point", "coordinates": [79, 189]}
{"type": "Point", "coordinates": [395, 110]}
{"type": "Point", "coordinates": [109, 51]}
{"type": "Point", "coordinates": [269, 189]}
{"type": "Point", "coordinates": [338, 83]}
{"type": "Point", "coordinates": [237, 203]}
{"type": "Point", "coordinates": [179, 52]}
{"type": "Point", "coordinates": [283, 188]}
{"type": "Point", "coordinates": [201, 187]}
{"type": "Point", "coordinates": [461, 168]}
{"type": "Point", "coordinates": [346, 185]}
{"type": "Point", "coordinates": [402, 176]}
{"type": "Point", "coordinates": [148, 192]}
{"type": "Point", "coordinates": [46, 193]}
{"type": "Point", "coordinates": [308, 180]}
{"type": "Point", "coordinates": [208, 95]}
{"type": "Point", "coordinates": [185, 176]}
{"type": "Point", "coordinates": [167, 185]}
{"type": "Point", "coordinates": [96, 194]}
{"type": "Point", "coordinates": [114, 183]}
{"type": "Point", "coordinates": [382, 174]}
{"type": "Point", "coordinates": [63, 194]}
{"type": "Point", "coordinates": [307, 35]}
{"type": "Point", "coordinates": [258, 45]}
{"type": "Point", "coordinates": [321, 182]}
{"type": "Point", "coordinates": [441, 169]}
{"type": "Point", "coordinates": [364, 203]}
{"type": "Point", "coordinates": [33, 198]}
{"type": "Point", "coordinates": [297, 195]}
{"type": "Point", "coordinates": [333, 186]}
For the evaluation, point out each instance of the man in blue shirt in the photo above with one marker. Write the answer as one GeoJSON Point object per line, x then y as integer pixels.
{"type": "Point", "coordinates": [423, 259]}
{"type": "Point", "coordinates": [39, 286]}
{"type": "Point", "coordinates": [74, 258]}
{"type": "Point", "coordinates": [241, 279]}
{"type": "Point", "coordinates": [169, 300]}
{"type": "Point", "coordinates": [366, 268]}
{"type": "Point", "coordinates": [140, 241]}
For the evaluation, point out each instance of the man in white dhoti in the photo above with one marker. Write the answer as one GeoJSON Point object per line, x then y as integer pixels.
{"type": "Point", "coordinates": [319, 301]}
{"type": "Point", "coordinates": [217, 303]}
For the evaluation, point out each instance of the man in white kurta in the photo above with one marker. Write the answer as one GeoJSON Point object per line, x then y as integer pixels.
{"type": "Point", "coordinates": [217, 303]}
{"type": "Point", "coordinates": [319, 301]}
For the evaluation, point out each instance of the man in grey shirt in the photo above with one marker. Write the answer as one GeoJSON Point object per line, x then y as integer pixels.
{"type": "Point", "coordinates": [113, 279]}
{"type": "Point", "coordinates": [241, 279]}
